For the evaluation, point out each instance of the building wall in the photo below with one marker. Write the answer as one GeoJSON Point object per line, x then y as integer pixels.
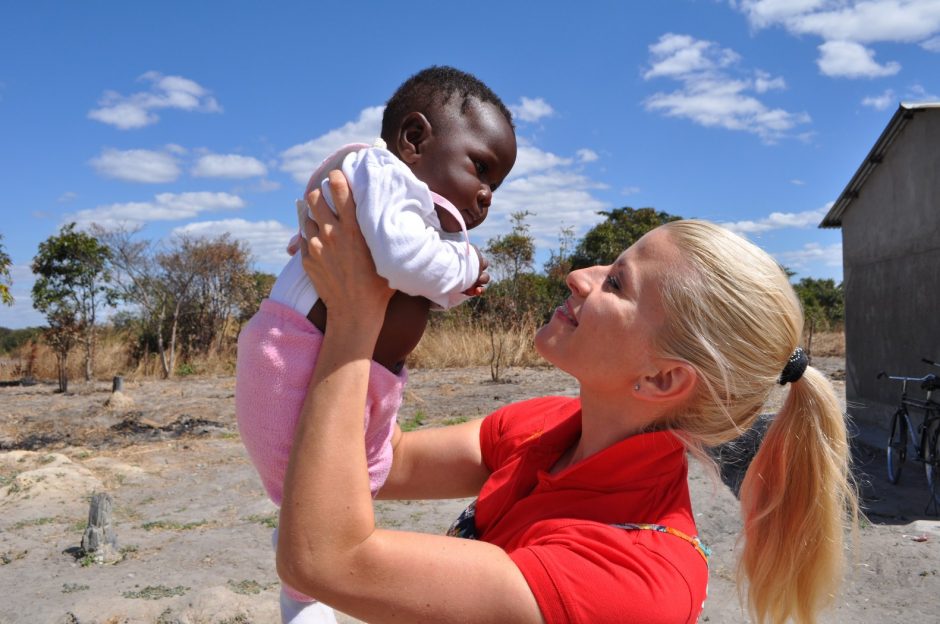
{"type": "Point", "coordinates": [891, 254]}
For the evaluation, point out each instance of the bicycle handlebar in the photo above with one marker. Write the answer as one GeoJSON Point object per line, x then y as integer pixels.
{"type": "Point", "coordinates": [930, 377]}
{"type": "Point", "coordinates": [931, 362]}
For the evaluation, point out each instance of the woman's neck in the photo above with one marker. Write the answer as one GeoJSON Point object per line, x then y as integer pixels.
{"type": "Point", "coordinates": [605, 421]}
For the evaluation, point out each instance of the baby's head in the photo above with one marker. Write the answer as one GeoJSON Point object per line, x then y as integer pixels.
{"type": "Point", "coordinates": [456, 135]}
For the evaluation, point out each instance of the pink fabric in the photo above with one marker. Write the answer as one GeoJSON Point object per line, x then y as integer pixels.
{"type": "Point", "coordinates": [277, 352]}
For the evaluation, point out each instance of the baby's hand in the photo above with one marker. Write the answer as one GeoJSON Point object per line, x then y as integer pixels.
{"type": "Point", "coordinates": [483, 279]}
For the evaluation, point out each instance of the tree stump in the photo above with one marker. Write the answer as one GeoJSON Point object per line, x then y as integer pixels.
{"type": "Point", "coordinates": [99, 540]}
{"type": "Point", "coordinates": [117, 384]}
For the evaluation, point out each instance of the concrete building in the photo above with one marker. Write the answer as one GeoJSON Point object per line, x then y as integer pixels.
{"type": "Point", "coordinates": [890, 218]}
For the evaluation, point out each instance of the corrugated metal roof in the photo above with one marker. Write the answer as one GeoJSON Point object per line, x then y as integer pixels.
{"type": "Point", "coordinates": [905, 112]}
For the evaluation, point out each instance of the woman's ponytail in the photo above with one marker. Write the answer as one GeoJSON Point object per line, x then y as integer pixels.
{"type": "Point", "coordinates": [797, 499]}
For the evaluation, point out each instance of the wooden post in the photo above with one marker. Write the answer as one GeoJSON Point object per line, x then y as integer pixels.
{"type": "Point", "coordinates": [99, 539]}
{"type": "Point", "coordinates": [117, 384]}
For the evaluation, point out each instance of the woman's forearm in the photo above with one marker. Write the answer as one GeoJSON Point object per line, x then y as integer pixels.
{"type": "Point", "coordinates": [327, 507]}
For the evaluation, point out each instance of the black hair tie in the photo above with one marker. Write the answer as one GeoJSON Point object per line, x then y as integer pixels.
{"type": "Point", "coordinates": [794, 368]}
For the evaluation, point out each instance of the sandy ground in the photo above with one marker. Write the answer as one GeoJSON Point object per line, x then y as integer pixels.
{"type": "Point", "coordinates": [193, 524]}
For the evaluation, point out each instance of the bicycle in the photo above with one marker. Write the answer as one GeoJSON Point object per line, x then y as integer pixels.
{"type": "Point", "coordinates": [925, 442]}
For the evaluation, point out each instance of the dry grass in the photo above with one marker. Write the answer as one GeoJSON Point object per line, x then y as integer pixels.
{"type": "Point", "coordinates": [455, 345]}
{"type": "Point", "coordinates": [826, 344]}
{"type": "Point", "coordinates": [447, 345]}
{"type": "Point", "coordinates": [112, 357]}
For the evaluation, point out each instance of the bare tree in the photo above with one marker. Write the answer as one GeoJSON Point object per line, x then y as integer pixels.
{"type": "Point", "coordinates": [224, 281]}
{"type": "Point", "coordinates": [158, 283]}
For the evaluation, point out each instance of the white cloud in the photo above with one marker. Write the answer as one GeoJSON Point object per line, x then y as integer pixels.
{"type": "Point", "coordinates": [812, 255]}
{"type": "Point", "coordinates": [780, 220]}
{"type": "Point", "coordinates": [137, 165]}
{"type": "Point", "coordinates": [228, 166]}
{"type": "Point", "coordinates": [530, 160]}
{"type": "Point", "coordinates": [630, 190]}
{"type": "Point", "coordinates": [164, 207]}
{"type": "Point", "coordinates": [847, 59]}
{"type": "Point", "coordinates": [710, 95]}
{"type": "Point", "coordinates": [586, 155]}
{"type": "Point", "coordinates": [556, 197]}
{"type": "Point", "coordinates": [764, 82]}
{"type": "Point", "coordinates": [880, 102]}
{"type": "Point", "coordinates": [917, 93]}
{"type": "Point", "coordinates": [136, 110]}
{"type": "Point", "coordinates": [851, 21]}
{"type": "Point", "coordinates": [265, 186]}
{"type": "Point", "coordinates": [301, 160]}
{"type": "Point", "coordinates": [680, 55]}
{"type": "Point", "coordinates": [67, 196]}
{"type": "Point", "coordinates": [531, 110]}
{"type": "Point", "coordinates": [797, 182]}
{"type": "Point", "coordinates": [266, 239]}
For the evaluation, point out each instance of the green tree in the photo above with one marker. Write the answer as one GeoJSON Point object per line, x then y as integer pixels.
{"type": "Point", "coordinates": [505, 309]}
{"type": "Point", "coordinates": [620, 228]}
{"type": "Point", "coordinates": [823, 301]}
{"type": "Point", "coordinates": [73, 284]}
{"type": "Point", "coordinates": [5, 280]}
{"type": "Point", "coordinates": [512, 254]}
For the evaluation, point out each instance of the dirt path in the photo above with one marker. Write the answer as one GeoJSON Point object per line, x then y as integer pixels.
{"type": "Point", "coordinates": [194, 526]}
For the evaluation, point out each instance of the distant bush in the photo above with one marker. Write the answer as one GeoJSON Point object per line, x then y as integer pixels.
{"type": "Point", "coordinates": [12, 339]}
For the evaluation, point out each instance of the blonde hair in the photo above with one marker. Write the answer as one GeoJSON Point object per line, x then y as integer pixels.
{"type": "Point", "coordinates": [732, 315]}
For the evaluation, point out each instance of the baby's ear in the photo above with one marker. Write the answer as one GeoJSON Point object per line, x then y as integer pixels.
{"type": "Point", "coordinates": [414, 131]}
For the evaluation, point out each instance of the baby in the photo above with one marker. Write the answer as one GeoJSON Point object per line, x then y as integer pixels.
{"type": "Point", "coordinates": [449, 143]}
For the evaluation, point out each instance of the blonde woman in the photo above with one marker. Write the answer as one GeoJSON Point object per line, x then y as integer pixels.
{"type": "Point", "coordinates": [582, 511]}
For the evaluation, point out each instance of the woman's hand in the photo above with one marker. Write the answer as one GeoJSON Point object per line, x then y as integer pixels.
{"type": "Point", "coordinates": [338, 262]}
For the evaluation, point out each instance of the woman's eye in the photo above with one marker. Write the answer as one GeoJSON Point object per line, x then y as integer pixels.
{"type": "Point", "coordinates": [613, 282]}
{"type": "Point", "coordinates": [480, 167]}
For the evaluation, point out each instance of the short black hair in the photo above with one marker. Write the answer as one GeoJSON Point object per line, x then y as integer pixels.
{"type": "Point", "coordinates": [433, 87]}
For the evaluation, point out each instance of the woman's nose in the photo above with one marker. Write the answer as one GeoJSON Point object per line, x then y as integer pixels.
{"type": "Point", "coordinates": [581, 281]}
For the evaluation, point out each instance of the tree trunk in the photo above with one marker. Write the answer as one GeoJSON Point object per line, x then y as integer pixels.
{"type": "Point", "coordinates": [89, 356]}
{"type": "Point", "coordinates": [160, 346]}
{"type": "Point", "coordinates": [172, 364]}
{"type": "Point", "coordinates": [62, 361]}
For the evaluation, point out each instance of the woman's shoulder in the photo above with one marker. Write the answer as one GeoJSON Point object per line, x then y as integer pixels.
{"type": "Point", "coordinates": [513, 428]}
{"type": "Point", "coordinates": [532, 416]}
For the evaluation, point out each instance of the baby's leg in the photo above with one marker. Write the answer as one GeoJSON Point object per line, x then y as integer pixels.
{"type": "Point", "coordinates": [299, 609]}
{"type": "Point", "coordinates": [296, 612]}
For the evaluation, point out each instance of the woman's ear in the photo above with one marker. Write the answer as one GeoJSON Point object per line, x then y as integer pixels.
{"type": "Point", "coordinates": [674, 382]}
{"type": "Point", "coordinates": [414, 131]}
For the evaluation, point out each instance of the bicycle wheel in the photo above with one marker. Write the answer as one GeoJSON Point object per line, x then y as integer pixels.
{"type": "Point", "coordinates": [932, 459]}
{"type": "Point", "coordinates": [897, 446]}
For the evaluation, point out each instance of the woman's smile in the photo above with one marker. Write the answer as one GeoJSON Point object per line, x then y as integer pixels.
{"type": "Point", "coordinates": [566, 313]}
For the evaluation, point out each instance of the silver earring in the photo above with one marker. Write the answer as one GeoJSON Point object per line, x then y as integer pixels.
{"type": "Point", "coordinates": [637, 387]}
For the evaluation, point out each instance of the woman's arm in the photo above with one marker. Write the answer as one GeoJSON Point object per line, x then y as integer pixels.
{"type": "Point", "coordinates": [328, 545]}
{"type": "Point", "coordinates": [443, 462]}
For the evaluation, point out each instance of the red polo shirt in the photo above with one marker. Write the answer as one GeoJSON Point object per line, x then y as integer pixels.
{"type": "Point", "coordinates": [556, 528]}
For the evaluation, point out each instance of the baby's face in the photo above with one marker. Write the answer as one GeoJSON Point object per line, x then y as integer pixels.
{"type": "Point", "coordinates": [469, 156]}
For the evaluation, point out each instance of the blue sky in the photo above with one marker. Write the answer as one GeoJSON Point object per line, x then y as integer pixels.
{"type": "Point", "coordinates": [207, 117]}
